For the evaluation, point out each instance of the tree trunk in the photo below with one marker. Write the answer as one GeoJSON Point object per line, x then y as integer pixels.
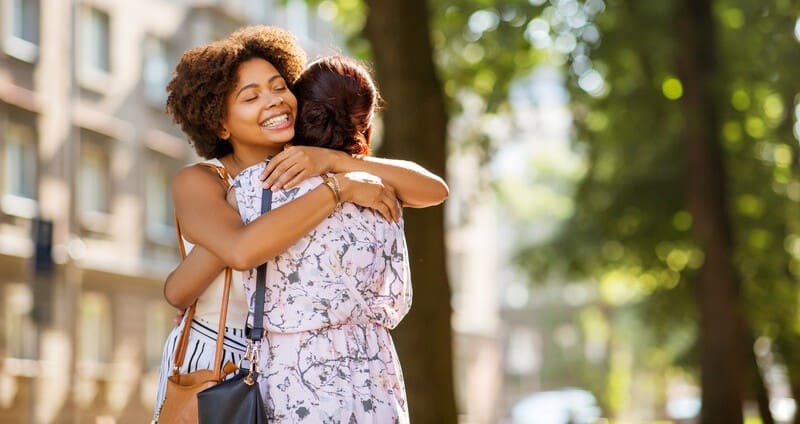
{"type": "Point", "coordinates": [794, 377]}
{"type": "Point", "coordinates": [718, 287]}
{"type": "Point", "coordinates": [415, 124]}
{"type": "Point", "coordinates": [796, 396]}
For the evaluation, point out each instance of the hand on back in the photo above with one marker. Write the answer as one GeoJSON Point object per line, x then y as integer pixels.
{"type": "Point", "coordinates": [297, 163]}
{"type": "Point", "coordinates": [367, 190]}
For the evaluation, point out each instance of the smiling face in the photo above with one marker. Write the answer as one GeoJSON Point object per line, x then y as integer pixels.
{"type": "Point", "coordinates": [260, 111]}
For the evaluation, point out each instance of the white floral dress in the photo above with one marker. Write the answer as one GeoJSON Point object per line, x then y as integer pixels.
{"type": "Point", "coordinates": [331, 299]}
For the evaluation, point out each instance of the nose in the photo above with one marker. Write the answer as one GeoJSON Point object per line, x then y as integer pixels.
{"type": "Point", "coordinates": [275, 101]}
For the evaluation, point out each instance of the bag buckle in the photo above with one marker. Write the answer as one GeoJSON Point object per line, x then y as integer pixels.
{"type": "Point", "coordinates": [251, 355]}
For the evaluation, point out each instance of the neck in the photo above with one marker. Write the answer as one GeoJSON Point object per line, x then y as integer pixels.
{"type": "Point", "coordinates": [246, 156]}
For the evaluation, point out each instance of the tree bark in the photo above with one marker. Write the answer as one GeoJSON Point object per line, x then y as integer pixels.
{"type": "Point", "coordinates": [415, 124]}
{"type": "Point", "coordinates": [718, 283]}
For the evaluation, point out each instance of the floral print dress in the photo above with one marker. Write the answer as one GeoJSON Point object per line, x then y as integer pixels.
{"type": "Point", "coordinates": [330, 302]}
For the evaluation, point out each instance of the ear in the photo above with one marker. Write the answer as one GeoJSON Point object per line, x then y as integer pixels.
{"type": "Point", "coordinates": [224, 133]}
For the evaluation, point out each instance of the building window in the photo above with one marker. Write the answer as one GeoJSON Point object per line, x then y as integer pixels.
{"type": "Point", "coordinates": [22, 29]}
{"type": "Point", "coordinates": [95, 329]}
{"type": "Point", "coordinates": [94, 183]}
{"type": "Point", "coordinates": [20, 330]}
{"type": "Point", "coordinates": [159, 213]}
{"type": "Point", "coordinates": [95, 47]}
{"type": "Point", "coordinates": [156, 70]}
{"type": "Point", "coordinates": [20, 159]}
{"type": "Point", "coordinates": [19, 166]}
{"type": "Point", "coordinates": [94, 176]}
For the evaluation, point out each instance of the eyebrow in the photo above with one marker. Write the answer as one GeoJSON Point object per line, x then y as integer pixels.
{"type": "Point", "coordinates": [252, 84]}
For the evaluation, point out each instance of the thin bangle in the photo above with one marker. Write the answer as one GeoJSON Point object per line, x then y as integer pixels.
{"type": "Point", "coordinates": [332, 184]}
{"type": "Point", "coordinates": [338, 187]}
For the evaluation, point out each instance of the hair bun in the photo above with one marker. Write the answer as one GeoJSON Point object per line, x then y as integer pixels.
{"type": "Point", "coordinates": [330, 125]}
{"type": "Point", "coordinates": [336, 98]}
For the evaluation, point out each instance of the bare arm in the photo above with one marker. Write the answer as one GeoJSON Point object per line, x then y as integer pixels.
{"type": "Point", "coordinates": [192, 277]}
{"type": "Point", "coordinates": [207, 219]}
{"type": "Point", "coordinates": [195, 272]}
{"type": "Point", "coordinates": [221, 239]}
{"type": "Point", "coordinates": [415, 186]}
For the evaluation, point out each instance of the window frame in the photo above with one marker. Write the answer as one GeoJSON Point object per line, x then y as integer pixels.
{"type": "Point", "coordinates": [16, 45]}
{"type": "Point", "coordinates": [21, 323]}
{"type": "Point", "coordinates": [163, 232]}
{"type": "Point", "coordinates": [164, 56]}
{"type": "Point", "coordinates": [95, 220]}
{"type": "Point", "coordinates": [90, 76]}
{"type": "Point", "coordinates": [102, 353]}
{"type": "Point", "coordinates": [23, 205]}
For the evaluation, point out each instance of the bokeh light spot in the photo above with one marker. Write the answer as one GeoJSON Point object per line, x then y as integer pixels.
{"type": "Point", "coordinates": [672, 88]}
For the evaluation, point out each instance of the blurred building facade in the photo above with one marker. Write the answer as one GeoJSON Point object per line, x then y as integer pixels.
{"type": "Point", "coordinates": [86, 145]}
{"type": "Point", "coordinates": [510, 334]}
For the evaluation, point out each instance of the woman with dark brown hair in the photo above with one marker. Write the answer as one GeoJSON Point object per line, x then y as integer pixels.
{"type": "Point", "coordinates": [233, 100]}
{"type": "Point", "coordinates": [328, 353]}
{"type": "Point", "coordinates": [332, 296]}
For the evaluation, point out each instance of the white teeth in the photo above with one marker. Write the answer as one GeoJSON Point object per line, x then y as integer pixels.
{"type": "Point", "coordinates": [271, 122]}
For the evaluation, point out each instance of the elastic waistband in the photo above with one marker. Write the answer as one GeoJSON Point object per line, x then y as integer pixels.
{"type": "Point", "coordinates": [327, 327]}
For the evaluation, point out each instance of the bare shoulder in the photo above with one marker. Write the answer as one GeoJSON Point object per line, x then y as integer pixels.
{"type": "Point", "coordinates": [196, 174]}
{"type": "Point", "coordinates": [197, 180]}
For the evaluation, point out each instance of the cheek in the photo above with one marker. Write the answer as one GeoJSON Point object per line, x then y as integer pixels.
{"type": "Point", "coordinates": [243, 113]}
{"type": "Point", "coordinates": [291, 100]}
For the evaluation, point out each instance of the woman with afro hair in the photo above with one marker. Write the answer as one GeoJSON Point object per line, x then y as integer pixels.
{"type": "Point", "coordinates": [234, 100]}
{"type": "Point", "coordinates": [332, 296]}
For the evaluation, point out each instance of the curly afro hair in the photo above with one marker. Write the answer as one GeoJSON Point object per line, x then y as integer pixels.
{"type": "Point", "coordinates": [206, 75]}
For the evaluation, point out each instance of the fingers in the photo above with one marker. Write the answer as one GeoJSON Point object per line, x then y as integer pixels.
{"type": "Point", "coordinates": [178, 318]}
{"type": "Point", "coordinates": [394, 209]}
{"type": "Point", "coordinates": [390, 198]}
{"type": "Point", "coordinates": [286, 176]}
{"type": "Point", "coordinates": [383, 209]}
{"type": "Point", "coordinates": [278, 170]}
{"type": "Point", "coordinates": [298, 178]}
{"type": "Point", "coordinates": [274, 162]}
{"type": "Point", "coordinates": [386, 205]}
{"type": "Point", "coordinates": [291, 166]}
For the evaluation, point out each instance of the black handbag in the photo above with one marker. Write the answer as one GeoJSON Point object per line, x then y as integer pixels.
{"type": "Point", "coordinates": [238, 400]}
{"type": "Point", "coordinates": [233, 401]}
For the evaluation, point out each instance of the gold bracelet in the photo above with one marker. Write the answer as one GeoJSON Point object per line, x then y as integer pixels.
{"type": "Point", "coordinates": [332, 184]}
{"type": "Point", "coordinates": [336, 183]}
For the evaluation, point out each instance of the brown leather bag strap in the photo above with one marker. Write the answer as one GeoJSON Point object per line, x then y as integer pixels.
{"type": "Point", "coordinates": [223, 315]}
{"type": "Point", "coordinates": [181, 347]}
{"type": "Point", "coordinates": [221, 171]}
